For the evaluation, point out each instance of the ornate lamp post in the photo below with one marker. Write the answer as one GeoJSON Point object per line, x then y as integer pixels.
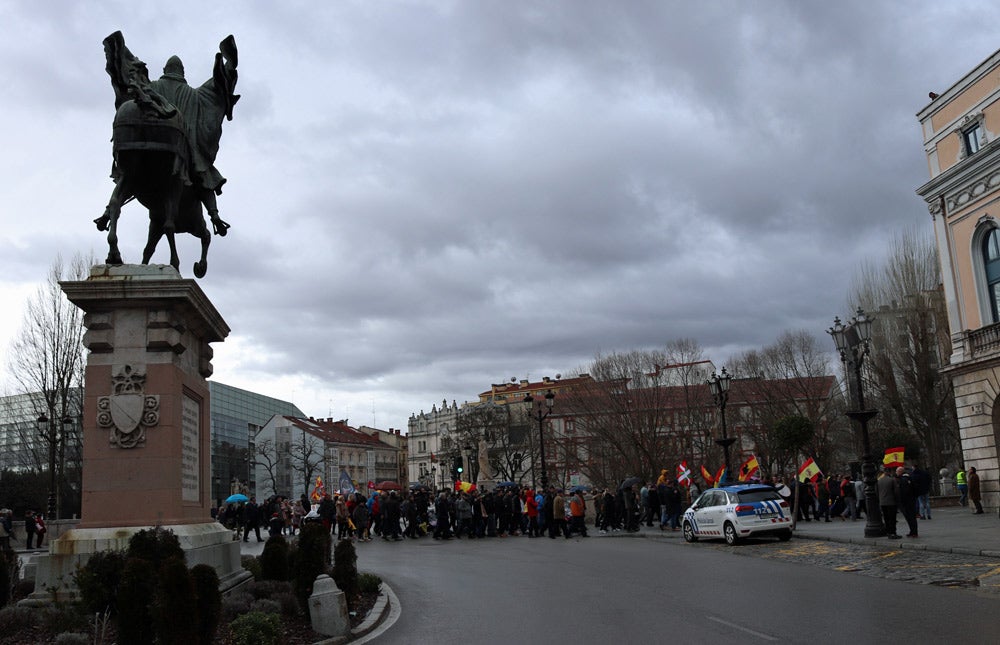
{"type": "Point", "coordinates": [541, 412]}
{"type": "Point", "coordinates": [719, 383]}
{"type": "Point", "coordinates": [48, 431]}
{"type": "Point", "coordinates": [853, 340]}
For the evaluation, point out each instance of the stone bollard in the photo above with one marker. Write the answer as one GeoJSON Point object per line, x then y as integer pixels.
{"type": "Point", "coordinates": [328, 608]}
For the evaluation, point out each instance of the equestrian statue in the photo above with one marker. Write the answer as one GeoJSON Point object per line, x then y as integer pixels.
{"type": "Point", "coordinates": [165, 139]}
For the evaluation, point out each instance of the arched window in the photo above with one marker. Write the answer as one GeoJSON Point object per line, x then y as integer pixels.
{"type": "Point", "coordinates": [991, 264]}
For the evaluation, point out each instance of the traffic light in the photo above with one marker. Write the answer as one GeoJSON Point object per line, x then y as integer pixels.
{"type": "Point", "coordinates": [458, 465]}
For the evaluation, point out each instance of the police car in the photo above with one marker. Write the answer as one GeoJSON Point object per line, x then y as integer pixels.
{"type": "Point", "coordinates": [736, 512]}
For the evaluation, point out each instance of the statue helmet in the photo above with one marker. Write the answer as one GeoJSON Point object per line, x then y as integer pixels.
{"type": "Point", "coordinates": [174, 68]}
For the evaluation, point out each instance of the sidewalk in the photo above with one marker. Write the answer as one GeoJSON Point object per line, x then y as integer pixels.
{"type": "Point", "coordinates": [952, 530]}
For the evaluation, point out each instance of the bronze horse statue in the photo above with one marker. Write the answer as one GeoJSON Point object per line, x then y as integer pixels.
{"type": "Point", "coordinates": [151, 155]}
{"type": "Point", "coordinates": [165, 138]}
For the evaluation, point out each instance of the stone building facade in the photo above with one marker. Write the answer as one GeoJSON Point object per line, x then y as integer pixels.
{"type": "Point", "coordinates": [960, 128]}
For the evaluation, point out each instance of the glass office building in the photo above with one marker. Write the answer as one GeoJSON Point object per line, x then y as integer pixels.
{"type": "Point", "coordinates": [237, 416]}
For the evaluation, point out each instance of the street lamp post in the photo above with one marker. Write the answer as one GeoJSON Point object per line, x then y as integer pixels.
{"type": "Point", "coordinates": [719, 383]}
{"type": "Point", "coordinates": [853, 342]}
{"type": "Point", "coordinates": [48, 430]}
{"type": "Point", "coordinates": [542, 412]}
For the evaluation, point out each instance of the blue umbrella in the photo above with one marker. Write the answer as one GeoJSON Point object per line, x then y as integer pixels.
{"type": "Point", "coordinates": [238, 497]}
{"type": "Point", "coordinates": [580, 488]}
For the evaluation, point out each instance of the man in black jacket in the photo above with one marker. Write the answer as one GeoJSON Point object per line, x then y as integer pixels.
{"type": "Point", "coordinates": [251, 520]}
{"type": "Point", "coordinates": [922, 487]}
{"type": "Point", "coordinates": [907, 500]}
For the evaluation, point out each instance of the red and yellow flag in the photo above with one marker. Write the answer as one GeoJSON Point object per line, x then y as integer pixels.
{"type": "Point", "coordinates": [894, 456]}
{"type": "Point", "coordinates": [749, 468]}
{"type": "Point", "coordinates": [707, 476]}
{"type": "Point", "coordinates": [720, 476]}
{"type": "Point", "coordinates": [464, 487]}
{"type": "Point", "coordinates": [809, 471]}
{"type": "Point", "coordinates": [318, 490]}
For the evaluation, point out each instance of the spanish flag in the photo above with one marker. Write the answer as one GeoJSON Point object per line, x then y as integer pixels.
{"type": "Point", "coordinates": [894, 456]}
{"type": "Point", "coordinates": [749, 468]}
{"type": "Point", "coordinates": [707, 476]}
{"type": "Point", "coordinates": [464, 487]}
{"type": "Point", "coordinates": [720, 476]}
{"type": "Point", "coordinates": [809, 471]}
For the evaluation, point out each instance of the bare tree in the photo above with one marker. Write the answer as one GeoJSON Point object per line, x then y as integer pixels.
{"type": "Point", "coordinates": [641, 417]}
{"type": "Point", "coordinates": [790, 378]}
{"type": "Point", "coordinates": [47, 362]}
{"type": "Point", "coordinates": [266, 456]}
{"type": "Point", "coordinates": [503, 428]}
{"type": "Point", "coordinates": [910, 343]}
{"type": "Point", "coordinates": [307, 457]}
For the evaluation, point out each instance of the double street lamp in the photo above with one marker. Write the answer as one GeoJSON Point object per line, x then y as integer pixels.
{"type": "Point", "coordinates": [50, 433]}
{"type": "Point", "coordinates": [719, 383]}
{"type": "Point", "coordinates": [853, 342]}
{"type": "Point", "coordinates": [541, 412]}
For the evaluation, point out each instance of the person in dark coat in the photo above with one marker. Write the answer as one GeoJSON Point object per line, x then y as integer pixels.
{"type": "Point", "coordinates": [327, 512]}
{"type": "Point", "coordinates": [609, 520]}
{"type": "Point", "coordinates": [441, 508]}
{"type": "Point", "coordinates": [922, 487]}
{"type": "Point", "coordinates": [673, 503]}
{"type": "Point", "coordinates": [29, 528]}
{"type": "Point", "coordinates": [490, 508]}
{"type": "Point", "coordinates": [907, 500]}
{"type": "Point", "coordinates": [975, 493]}
{"type": "Point", "coordinates": [888, 499]}
{"type": "Point", "coordinates": [251, 520]}
{"type": "Point", "coordinates": [652, 505]}
{"type": "Point", "coordinates": [390, 512]}
{"type": "Point", "coordinates": [502, 502]}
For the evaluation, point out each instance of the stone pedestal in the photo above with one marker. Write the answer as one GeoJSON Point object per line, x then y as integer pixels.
{"type": "Point", "coordinates": [328, 608]}
{"type": "Point", "coordinates": [146, 441]}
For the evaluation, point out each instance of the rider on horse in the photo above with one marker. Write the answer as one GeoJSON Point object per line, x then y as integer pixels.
{"type": "Point", "coordinates": [201, 110]}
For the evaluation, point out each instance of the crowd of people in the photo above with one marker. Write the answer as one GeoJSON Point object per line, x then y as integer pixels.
{"type": "Point", "coordinates": [503, 512]}
{"type": "Point", "coordinates": [34, 529]}
{"type": "Point", "coordinates": [553, 512]}
{"type": "Point", "coordinates": [899, 491]}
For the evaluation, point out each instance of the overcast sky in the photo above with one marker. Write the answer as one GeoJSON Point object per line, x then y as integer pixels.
{"type": "Point", "coordinates": [430, 197]}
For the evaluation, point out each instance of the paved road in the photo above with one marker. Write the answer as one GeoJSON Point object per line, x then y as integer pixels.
{"type": "Point", "coordinates": [601, 590]}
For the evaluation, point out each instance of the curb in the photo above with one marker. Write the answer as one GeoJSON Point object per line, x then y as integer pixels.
{"type": "Point", "coordinates": [377, 613]}
{"type": "Point", "coordinates": [897, 544]}
{"type": "Point", "coordinates": [882, 542]}
{"type": "Point", "coordinates": [375, 616]}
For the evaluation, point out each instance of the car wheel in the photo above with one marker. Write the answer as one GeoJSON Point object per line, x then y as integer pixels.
{"type": "Point", "coordinates": [729, 531]}
{"type": "Point", "coordinates": [689, 535]}
{"type": "Point", "coordinates": [785, 536]}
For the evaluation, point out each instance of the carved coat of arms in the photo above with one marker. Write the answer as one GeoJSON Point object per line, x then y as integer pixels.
{"type": "Point", "coordinates": [128, 411]}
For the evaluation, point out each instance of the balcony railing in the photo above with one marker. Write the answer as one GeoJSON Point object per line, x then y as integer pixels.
{"type": "Point", "coordinates": [985, 340]}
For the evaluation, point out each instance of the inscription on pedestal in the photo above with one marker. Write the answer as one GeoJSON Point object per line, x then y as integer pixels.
{"type": "Point", "coordinates": [190, 462]}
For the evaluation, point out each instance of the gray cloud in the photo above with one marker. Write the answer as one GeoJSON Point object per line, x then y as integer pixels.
{"type": "Point", "coordinates": [429, 197]}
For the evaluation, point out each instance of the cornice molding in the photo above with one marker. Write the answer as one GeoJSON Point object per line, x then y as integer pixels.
{"type": "Point", "coordinates": [964, 183]}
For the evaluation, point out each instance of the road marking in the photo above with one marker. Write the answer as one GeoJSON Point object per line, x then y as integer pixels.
{"type": "Point", "coordinates": [742, 629]}
{"type": "Point", "coordinates": [987, 575]}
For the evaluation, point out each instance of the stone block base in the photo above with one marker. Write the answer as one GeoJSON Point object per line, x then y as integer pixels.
{"type": "Point", "coordinates": [208, 543]}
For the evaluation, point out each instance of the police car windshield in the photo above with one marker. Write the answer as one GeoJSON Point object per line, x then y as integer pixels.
{"type": "Point", "coordinates": [759, 495]}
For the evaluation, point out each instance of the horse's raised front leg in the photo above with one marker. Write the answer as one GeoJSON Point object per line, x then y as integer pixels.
{"type": "Point", "coordinates": [201, 266]}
